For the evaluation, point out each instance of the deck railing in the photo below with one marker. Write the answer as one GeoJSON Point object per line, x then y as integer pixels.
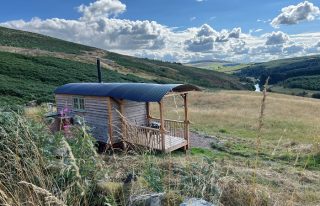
{"type": "Point", "coordinates": [152, 138]}
{"type": "Point", "coordinates": [174, 128]}
{"type": "Point", "coordinates": [144, 136]}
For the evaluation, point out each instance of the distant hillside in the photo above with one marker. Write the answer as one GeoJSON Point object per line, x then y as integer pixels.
{"type": "Point", "coordinates": [32, 65]}
{"type": "Point", "coordinates": [210, 61]}
{"type": "Point", "coordinates": [296, 74]}
{"type": "Point", "coordinates": [173, 72]}
{"type": "Point", "coordinates": [217, 65]}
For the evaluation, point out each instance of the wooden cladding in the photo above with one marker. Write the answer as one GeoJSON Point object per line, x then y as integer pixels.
{"type": "Point", "coordinates": [100, 112]}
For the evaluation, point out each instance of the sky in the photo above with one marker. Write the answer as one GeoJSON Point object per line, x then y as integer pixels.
{"type": "Point", "coordinates": [176, 30]}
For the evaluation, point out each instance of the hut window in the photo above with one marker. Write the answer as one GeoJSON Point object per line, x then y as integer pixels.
{"type": "Point", "coordinates": [78, 103]}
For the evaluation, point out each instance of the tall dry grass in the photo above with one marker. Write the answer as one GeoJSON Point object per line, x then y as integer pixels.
{"type": "Point", "coordinates": [38, 168]}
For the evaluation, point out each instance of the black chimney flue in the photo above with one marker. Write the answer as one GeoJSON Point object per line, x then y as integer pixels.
{"type": "Point", "coordinates": [99, 70]}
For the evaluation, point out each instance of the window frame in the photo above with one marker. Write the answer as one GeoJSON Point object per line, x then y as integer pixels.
{"type": "Point", "coordinates": [78, 104]}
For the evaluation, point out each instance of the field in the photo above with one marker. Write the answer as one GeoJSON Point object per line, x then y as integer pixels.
{"type": "Point", "coordinates": [225, 114]}
{"type": "Point", "coordinates": [289, 136]}
{"type": "Point", "coordinates": [292, 91]}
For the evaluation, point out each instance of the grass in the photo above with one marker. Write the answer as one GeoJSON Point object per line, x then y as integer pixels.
{"type": "Point", "coordinates": [289, 127]}
{"type": "Point", "coordinates": [236, 113]}
{"type": "Point", "coordinates": [292, 91]}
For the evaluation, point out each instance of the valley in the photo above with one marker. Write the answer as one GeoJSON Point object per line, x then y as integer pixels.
{"type": "Point", "coordinates": [261, 148]}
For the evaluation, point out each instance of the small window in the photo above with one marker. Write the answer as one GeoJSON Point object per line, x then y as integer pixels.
{"type": "Point", "coordinates": [78, 103]}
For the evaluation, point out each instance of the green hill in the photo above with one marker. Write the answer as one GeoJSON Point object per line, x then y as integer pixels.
{"type": "Point", "coordinates": [17, 38]}
{"type": "Point", "coordinates": [217, 65]}
{"type": "Point", "coordinates": [293, 75]}
{"type": "Point", "coordinates": [32, 65]}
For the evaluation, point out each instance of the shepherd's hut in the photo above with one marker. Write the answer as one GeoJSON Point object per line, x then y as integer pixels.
{"type": "Point", "coordinates": [120, 112]}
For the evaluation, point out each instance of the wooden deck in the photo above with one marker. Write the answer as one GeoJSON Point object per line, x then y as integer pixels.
{"type": "Point", "coordinates": [172, 137]}
{"type": "Point", "coordinates": [174, 143]}
{"type": "Point", "coordinates": [171, 143]}
{"type": "Point", "coordinates": [151, 138]}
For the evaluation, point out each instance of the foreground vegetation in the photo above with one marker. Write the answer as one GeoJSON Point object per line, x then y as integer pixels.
{"type": "Point", "coordinates": [41, 168]}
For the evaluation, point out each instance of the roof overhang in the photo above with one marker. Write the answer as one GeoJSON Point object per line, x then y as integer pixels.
{"type": "Point", "coordinates": [139, 92]}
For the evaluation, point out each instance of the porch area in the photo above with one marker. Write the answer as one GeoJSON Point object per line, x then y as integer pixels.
{"type": "Point", "coordinates": [173, 137]}
{"type": "Point", "coordinates": [159, 134]}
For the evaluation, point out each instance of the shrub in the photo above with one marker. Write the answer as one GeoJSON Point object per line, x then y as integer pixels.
{"type": "Point", "coordinates": [316, 95]}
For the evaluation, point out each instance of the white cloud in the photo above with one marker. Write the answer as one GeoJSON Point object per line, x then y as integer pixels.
{"type": "Point", "coordinates": [100, 26]}
{"type": "Point", "coordinates": [193, 18]}
{"type": "Point", "coordinates": [294, 14]}
{"type": "Point", "coordinates": [293, 49]}
{"type": "Point", "coordinates": [205, 37]}
{"type": "Point", "coordinates": [277, 37]}
{"type": "Point", "coordinates": [235, 33]}
{"type": "Point", "coordinates": [101, 8]}
{"type": "Point", "coordinates": [100, 32]}
{"type": "Point", "coordinates": [206, 30]}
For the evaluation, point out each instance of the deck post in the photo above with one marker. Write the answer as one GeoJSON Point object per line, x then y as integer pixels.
{"type": "Point", "coordinates": [124, 129]}
{"type": "Point", "coordinates": [110, 120]}
{"type": "Point", "coordinates": [162, 131]}
{"type": "Point", "coordinates": [186, 120]}
{"type": "Point", "coordinates": [148, 113]}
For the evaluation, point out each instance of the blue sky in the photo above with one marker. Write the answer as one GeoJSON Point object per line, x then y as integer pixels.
{"type": "Point", "coordinates": [220, 14]}
{"type": "Point", "coordinates": [177, 21]}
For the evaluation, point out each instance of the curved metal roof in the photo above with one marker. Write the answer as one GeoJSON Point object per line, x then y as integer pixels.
{"type": "Point", "coordinates": [139, 92]}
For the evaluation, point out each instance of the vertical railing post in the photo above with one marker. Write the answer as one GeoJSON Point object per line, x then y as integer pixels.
{"type": "Point", "coordinates": [162, 131]}
{"type": "Point", "coordinates": [148, 113]}
{"type": "Point", "coordinates": [186, 120]}
{"type": "Point", "coordinates": [123, 123]}
{"type": "Point", "coordinates": [110, 121]}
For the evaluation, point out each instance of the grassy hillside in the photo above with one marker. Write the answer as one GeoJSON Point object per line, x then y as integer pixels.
{"type": "Point", "coordinates": [218, 65]}
{"type": "Point", "coordinates": [293, 73]}
{"type": "Point", "coordinates": [174, 72]}
{"type": "Point", "coordinates": [25, 78]}
{"type": "Point", "coordinates": [16, 38]}
{"type": "Point", "coordinates": [32, 65]}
